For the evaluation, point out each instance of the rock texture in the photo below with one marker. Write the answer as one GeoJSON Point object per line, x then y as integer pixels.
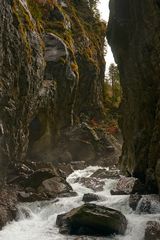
{"type": "Point", "coordinates": [82, 143]}
{"type": "Point", "coordinates": [21, 71]}
{"type": "Point", "coordinates": [90, 197]}
{"type": "Point", "coordinates": [51, 73]}
{"type": "Point", "coordinates": [133, 34]}
{"type": "Point", "coordinates": [152, 231]}
{"type": "Point", "coordinates": [38, 181]}
{"type": "Point", "coordinates": [8, 201]}
{"type": "Point", "coordinates": [90, 219]}
{"type": "Point", "coordinates": [128, 185]}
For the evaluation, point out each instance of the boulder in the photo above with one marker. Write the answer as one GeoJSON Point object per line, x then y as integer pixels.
{"type": "Point", "coordinates": [31, 196]}
{"type": "Point", "coordinates": [90, 197]}
{"type": "Point", "coordinates": [48, 189]}
{"type": "Point", "coordinates": [152, 231]}
{"type": "Point", "coordinates": [65, 169]}
{"type": "Point", "coordinates": [90, 219]}
{"type": "Point", "coordinates": [54, 186]}
{"type": "Point", "coordinates": [37, 177]}
{"type": "Point", "coordinates": [149, 204]}
{"type": "Point", "coordinates": [104, 173]}
{"type": "Point", "coordinates": [92, 183]}
{"type": "Point", "coordinates": [128, 185]}
{"type": "Point", "coordinates": [134, 200]}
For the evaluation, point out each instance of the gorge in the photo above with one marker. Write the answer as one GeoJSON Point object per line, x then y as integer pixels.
{"type": "Point", "coordinates": [59, 140]}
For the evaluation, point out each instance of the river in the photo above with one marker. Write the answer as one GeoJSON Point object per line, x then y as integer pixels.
{"type": "Point", "coordinates": [37, 221]}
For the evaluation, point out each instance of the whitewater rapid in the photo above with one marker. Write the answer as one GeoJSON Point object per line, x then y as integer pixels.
{"type": "Point", "coordinates": [37, 221]}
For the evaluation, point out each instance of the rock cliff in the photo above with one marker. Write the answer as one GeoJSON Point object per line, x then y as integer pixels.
{"type": "Point", "coordinates": [133, 34]}
{"type": "Point", "coordinates": [51, 72]}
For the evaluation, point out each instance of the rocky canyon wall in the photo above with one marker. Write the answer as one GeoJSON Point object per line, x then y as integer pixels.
{"type": "Point", "coordinates": [134, 36]}
{"type": "Point", "coordinates": [51, 72]}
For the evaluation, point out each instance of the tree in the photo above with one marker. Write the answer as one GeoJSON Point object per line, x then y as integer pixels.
{"type": "Point", "coordinates": [112, 85]}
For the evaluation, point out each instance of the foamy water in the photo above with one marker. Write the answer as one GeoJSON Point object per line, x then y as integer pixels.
{"type": "Point", "coordinates": [37, 221]}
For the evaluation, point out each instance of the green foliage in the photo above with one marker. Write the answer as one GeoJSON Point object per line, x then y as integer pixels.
{"type": "Point", "coordinates": [112, 98]}
{"type": "Point", "coordinates": [112, 88]}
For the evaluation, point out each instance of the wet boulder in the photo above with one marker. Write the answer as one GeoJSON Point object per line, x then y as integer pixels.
{"type": "Point", "coordinates": [54, 186]}
{"type": "Point", "coordinates": [149, 204]}
{"type": "Point", "coordinates": [90, 197]}
{"type": "Point", "coordinates": [128, 185]}
{"type": "Point", "coordinates": [92, 220]}
{"type": "Point", "coordinates": [92, 183]}
{"type": "Point", "coordinates": [134, 200]}
{"type": "Point", "coordinates": [152, 231]}
{"type": "Point", "coordinates": [103, 173]}
{"type": "Point", "coordinates": [48, 189]}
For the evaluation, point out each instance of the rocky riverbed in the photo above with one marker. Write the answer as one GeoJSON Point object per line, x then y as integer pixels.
{"type": "Point", "coordinates": [37, 220]}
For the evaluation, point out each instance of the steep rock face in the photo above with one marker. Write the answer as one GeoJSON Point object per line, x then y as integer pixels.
{"type": "Point", "coordinates": [133, 34]}
{"type": "Point", "coordinates": [74, 68]}
{"type": "Point", "coordinates": [47, 48]}
{"type": "Point", "coordinates": [21, 71]}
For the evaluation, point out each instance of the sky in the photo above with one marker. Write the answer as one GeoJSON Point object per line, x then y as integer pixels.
{"type": "Point", "coordinates": [104, 11]}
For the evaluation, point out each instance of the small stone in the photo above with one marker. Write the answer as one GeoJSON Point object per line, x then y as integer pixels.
{"type": "Point", "coordinates": [90, 197]}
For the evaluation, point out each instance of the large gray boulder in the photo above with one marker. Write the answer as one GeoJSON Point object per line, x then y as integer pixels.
{"type": "Point", "coordinates": [90, 219]}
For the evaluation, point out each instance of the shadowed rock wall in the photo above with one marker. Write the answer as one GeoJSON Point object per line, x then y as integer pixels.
{"type": "Point", "coordinates": [134, 36]}
{"type": "Point", "coordinates": [51, 71]}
